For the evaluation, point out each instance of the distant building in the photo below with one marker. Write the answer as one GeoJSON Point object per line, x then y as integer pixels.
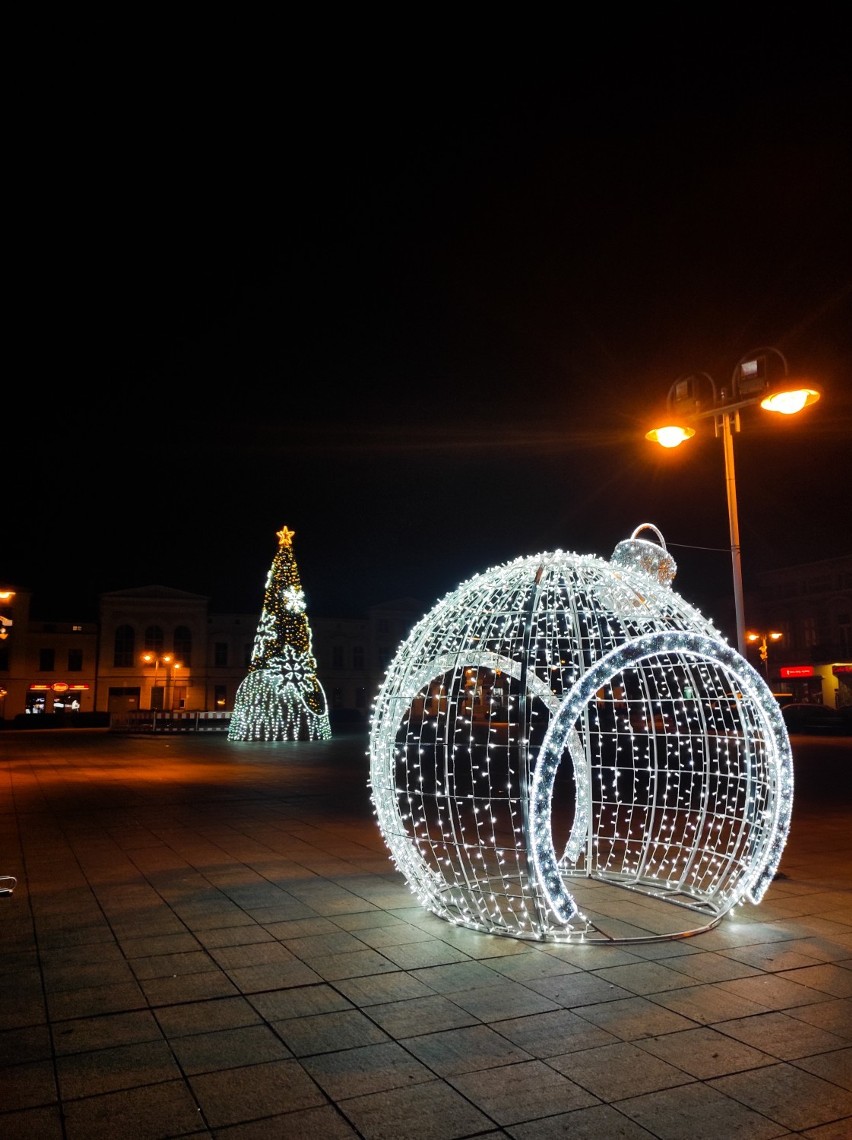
{"type": "Point", "coordinates": [162, 649]}
{"type": "Point", "coordinates": [810, 605]}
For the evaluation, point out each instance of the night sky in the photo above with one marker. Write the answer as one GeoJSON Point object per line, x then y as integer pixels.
{"type": "Point", "coordinates": [423, 316]}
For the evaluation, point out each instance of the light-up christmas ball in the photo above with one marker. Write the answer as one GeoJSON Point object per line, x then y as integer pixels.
{"type": "Point", "coordinates": [564, 749]}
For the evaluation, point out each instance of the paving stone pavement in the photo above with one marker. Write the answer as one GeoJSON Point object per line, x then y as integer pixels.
{"type": "Point", "coordinates": [209, 939]}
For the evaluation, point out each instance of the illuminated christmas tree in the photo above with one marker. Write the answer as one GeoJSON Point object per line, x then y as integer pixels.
{"type": "Point", "coordinates": [280, 697]}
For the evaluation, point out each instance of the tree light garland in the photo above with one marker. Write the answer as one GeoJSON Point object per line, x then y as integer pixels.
{"type": "Point", "coordinates": [562, 728]}
{"type": "Point", "coordinates": [281, 697]}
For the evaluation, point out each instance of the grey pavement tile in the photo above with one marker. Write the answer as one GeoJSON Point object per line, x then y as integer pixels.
{"type": "Point", "coordinates": [776, 956]}
{"type": "Point", "coordinates": [600, 1122]}
{"type": "Point", "coordinates": [504, 1000]}
{"type": "Point", "coordinates": [572, 991]}
{"type": "Point", "coordinates": [27, 1085]}
{"type": "Point", "coordinates": [376, 989]}
{"type": "Point", "coordinates": [787, 1094]}
{"type": "Point", "coordinates": [232, 936]}
{"type": "Point", "coordinates": [118, 1067]}
{"type": "Point", "coordinates": [835, 1066]}
{"type": "Point", "coordinates": [773, 991]}
{"type": "Point", "coordinates": [834, 1015]}
{"type": "Point", "coordinates": [256, 953]}
{"type": "Point", "coordinates": [169, 965]}
{"type": "Point", "coordinates": [203, 1016]}
{"type": "Point", "coordinates": [622, 1069]}
{"type": "Point", "coordinates": [272, 975]}
{"type": "Point", "coordinates": [397, 935]}
{"type": "Point", "coordinates": [708, 1003]}
{"type": "Point", "coordinates": [187, 987]}
{"type": "Point", "coordinates": [529, 965]}
{"type": "Point", "coordinates": [298, 1001]}
{"type": "Point", "coordinates": [144, 1113]}
{"type": "Point", "coordinates": [33, 1124]}
{"type": "Point", "coordinates": [87, 1033]}
{"type": "Point", "coordinates": [705, 1052]}
{"type": "Point", "coordinates": [553, 1033]}
{"type": "Point", "coordinates": [781, 1035]}
{"type": "Point", "coordinates": [522, 1091]}
{"type": "Point", "coordinates": [61, 979]}
{"type": "Point", "coordinates": [352, 965]}
{"type": "Point", "coordinates": [163, 944]}
{"type": "Point", "coordinates": [630, 1019]}
{"type": "Point", "coordinates": [29, 1043]}
{"type": "Point", "coordinates": [301, 927]}
{"type": "Point", "coordinates": [325, 1122]}
{"type": "Point", "coordinates": [477, 944]}
{"type": "Point", "coordinates": [645, 977]}
{"type": "Point", "coordinates": [712, 967]}
{"type": "Point", "coordinates": [367, 920]}
{"type": "Point", "coordinates": [328, 1032]}
{"type": "Point", "coordinates": [371, 1068]}
{"type": "Point", "coordinates": [417, 955]}
{"type": "Point", "coordinates": [228, 1049]}
{"type": "Point", "coordinates": [83, 956]}
{"type": "Point", "coordinates": [830, 978]}
{"type": "Point", "coordinates": [95, 1000]}
{"type": "Point", "coordinates": [432, 1111]}
{"type": "Point", "coordinates": [420, 1015]}
{"type": "Point", "coordinates": [464, 1050]}
{"type": "Point", "coordinates": [453, 976]}
{"type": "Point", "coordinates": [698, 1112]}
{"type": "Point", "coordinates": [322, 945]}
{"type": "Point", "coordinates": [253, 1091]}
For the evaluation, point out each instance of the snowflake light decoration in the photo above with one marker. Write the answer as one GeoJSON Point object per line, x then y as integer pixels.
{"type": "Point", "coordinates": [565, 750]}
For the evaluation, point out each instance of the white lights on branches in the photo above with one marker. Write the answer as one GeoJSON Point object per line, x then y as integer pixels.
{"type": "Point", "coordinates": [561, 734]}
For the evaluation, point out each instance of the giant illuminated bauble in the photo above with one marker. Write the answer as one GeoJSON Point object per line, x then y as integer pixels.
{"type": "Point", "coordinates": [565, 750]}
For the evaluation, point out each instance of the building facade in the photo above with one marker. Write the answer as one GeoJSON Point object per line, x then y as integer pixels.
{"type": "Point", "coordinates": [158, 648]}
{"type": "Point", "coordinates": [810, 605]}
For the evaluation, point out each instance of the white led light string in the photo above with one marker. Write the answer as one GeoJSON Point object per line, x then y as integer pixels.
{"type": "Point", "coordinates": [692, 807]}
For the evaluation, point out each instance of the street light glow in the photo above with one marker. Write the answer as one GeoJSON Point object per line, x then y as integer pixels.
{"type": "Point", "coordinates": [672, 436]}
{"type": "Point", "coordinates": [698, 398]}
{"type": "Point", "coordinates": [790, 400]}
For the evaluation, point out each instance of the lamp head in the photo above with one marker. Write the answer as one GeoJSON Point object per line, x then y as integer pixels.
{"type": "Point", "coordinates": [672, 435]}
{"type": "Point", "coordinates": [789, 399]}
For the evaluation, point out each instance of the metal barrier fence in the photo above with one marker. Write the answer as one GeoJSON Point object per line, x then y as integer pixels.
{"type": "Point", "coordinates": [152, 720]}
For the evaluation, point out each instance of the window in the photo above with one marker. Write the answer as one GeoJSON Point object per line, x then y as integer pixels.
{"type": "Point", "coordinates": [361, 698]}
{"type": "Point", "coordinates": [358, 657]}
{"type": "Point", "coordinates": [125, 644]}
{"type": "Point", "coordinates": [75, 660]}
{"type": "Point", "coordinates": [46, 660]}
{"type": "Point", "coordinates": [337, 657]}
{"type": "Point", "coordinates": [220, 654]}
{"type": "Point", "coordinates": [220, 696]}
{"type": "Point", "coordinates": [183, 645]}
{"type": "Point", "coordinates": [337, 698]}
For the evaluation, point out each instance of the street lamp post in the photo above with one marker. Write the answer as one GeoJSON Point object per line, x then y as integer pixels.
{"type": "Point", "coordinates": [764, 639]}
{"type": "Point", "coordinates": [156, 660]}
{"type": "Point", "coordinates": [749, 386]}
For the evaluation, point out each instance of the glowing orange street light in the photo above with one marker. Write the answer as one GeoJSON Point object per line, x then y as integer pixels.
{"type": "Point", "coordinates": [157, 660]}
{"type": "Point", "coordinates": [764, 639]}
{"type": "Point", "coordinates": [687, 403]}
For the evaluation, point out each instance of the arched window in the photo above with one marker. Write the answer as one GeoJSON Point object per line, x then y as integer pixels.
{"type": "Point", "coordinates": [183, 645]}
{"type": "Point", "coordinates": [125, 642]}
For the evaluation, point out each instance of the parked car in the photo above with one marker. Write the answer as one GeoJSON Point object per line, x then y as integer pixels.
{"type": "Point", "coordinates": [812, 719]}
